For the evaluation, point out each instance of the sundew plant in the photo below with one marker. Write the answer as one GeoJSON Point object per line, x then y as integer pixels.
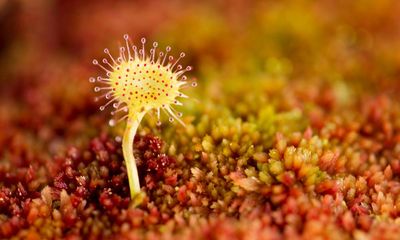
{"type": "Point", "coordinates": [136, 82]}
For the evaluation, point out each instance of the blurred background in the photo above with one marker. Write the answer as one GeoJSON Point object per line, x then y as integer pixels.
{"type": "Point", "coordinates": [331, 53]}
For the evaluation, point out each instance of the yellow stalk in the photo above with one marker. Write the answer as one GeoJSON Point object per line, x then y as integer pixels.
{"type": "Point", "coordinates": [127, 149]}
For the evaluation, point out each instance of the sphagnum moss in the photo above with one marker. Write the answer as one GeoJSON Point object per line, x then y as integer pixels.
{"type": "Point", "coordinates": [137, 82]}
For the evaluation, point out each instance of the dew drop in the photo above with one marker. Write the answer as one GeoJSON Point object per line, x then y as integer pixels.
{"type": "Point", "coordinates": [182, 54]}
{"type": "Point", "coordinates": [184, 78]}
{"type": "Point", "coordinates": [97, 89]}
{"type": "Point", "coordinates": [111, 122]}
{"type": "Point", "coordinates": [179, 114]}
{"type": "Point", "coordinates": [143, 40]}
{"type": "Point", "coordinates": [170, 119]}
{"type": "Point", "coordinates": [95, 62]}
{"type": "Point", "coordinates": [92, 80]}
{"type": "Point", "coordinates": [101, 108]}
{"type": "Point", "coordinates": [126, 36]}
{"type": "Point", "coordinates": [168, 48]}
{"type": "Point", "coordinates": [155, 44]}
{"type": "Point", "coordinates": [179, 67]}
{"type": "Point", "coordinates": [115, 105]}
{"type": "Point", "coordinates": [158, 123]}
{"type": "Point", "coordinates": [118, 139]}
{"type": "Point", "coordinates": [106, 51]}
{"type": "Point", "coordinates": [188, 68]}
{"type": "Point", "coordinates": [194, 84]}
{"type": "Point", "coordinates": [170, 58]}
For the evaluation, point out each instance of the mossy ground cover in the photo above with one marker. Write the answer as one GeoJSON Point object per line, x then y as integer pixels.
{"type": "Point", "coordinates": [292, 133]}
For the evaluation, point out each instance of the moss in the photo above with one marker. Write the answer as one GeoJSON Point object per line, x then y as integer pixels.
{"type": "Point", "coordinates": [294, 134]}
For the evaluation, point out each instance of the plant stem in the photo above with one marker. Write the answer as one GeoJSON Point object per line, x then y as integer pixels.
{"type": "Point", "coordinates": [127, 149]}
